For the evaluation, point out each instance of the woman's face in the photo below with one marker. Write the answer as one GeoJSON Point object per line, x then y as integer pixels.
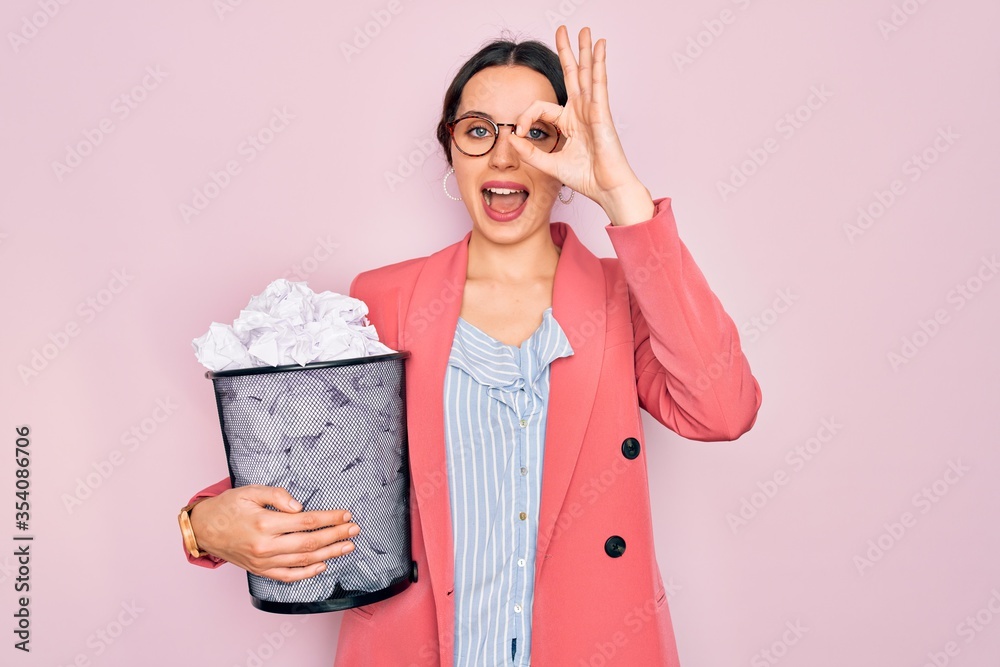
{"type": "Point", "coordinates": [501, 93]}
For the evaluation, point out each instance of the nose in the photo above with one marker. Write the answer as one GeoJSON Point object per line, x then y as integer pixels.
{"type": "Point", "coordinates": [503, 155]}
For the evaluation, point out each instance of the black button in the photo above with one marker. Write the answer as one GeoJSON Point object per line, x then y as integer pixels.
{"type": "Point", "coordinates": [630, 448]}
{"type": "Point", "coordinates": [413, 571]}
{"type": "Point", "coordinates": [615, 546]}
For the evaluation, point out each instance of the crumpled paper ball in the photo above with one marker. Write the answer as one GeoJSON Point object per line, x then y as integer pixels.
{"type": "Point", "coordinates": [287, 324]}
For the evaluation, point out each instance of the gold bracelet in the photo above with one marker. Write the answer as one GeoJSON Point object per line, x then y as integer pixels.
{"type": "Point", "coordinates": [184, 519]}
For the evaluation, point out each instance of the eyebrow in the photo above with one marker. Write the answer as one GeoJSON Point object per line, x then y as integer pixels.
{"type": "Point", "coordinates": [476, 112]}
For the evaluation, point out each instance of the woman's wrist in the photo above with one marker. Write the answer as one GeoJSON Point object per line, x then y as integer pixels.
{"type": "Point", "coordinates": [629, 205]}
{"type": "Point", "coordinates": [195, 530]}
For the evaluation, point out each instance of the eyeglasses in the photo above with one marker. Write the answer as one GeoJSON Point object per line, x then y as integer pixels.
{"type": "Point", "coordinates": [476, 135]}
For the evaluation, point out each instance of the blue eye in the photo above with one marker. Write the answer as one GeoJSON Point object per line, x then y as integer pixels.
{"type": "Point", "coordinates": [477, 129]}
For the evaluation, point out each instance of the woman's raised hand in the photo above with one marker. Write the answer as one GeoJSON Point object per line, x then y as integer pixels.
{"type": "Point", "coordinates": [236, 526]}
{"type": "Point", "coordinates": [591, 159]}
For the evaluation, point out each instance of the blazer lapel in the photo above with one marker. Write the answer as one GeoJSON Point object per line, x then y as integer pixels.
{"type": "Point", "coordinates": [428, 331]}
{"type": "Point", "coordinates": [579, 304]}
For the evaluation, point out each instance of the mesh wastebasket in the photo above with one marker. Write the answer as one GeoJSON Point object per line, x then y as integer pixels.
{"type": "Point", "coordinates": [334, 435]}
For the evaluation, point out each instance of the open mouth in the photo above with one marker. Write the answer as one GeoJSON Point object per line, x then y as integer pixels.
{"type": "Point", "coordinates": [504, 200]}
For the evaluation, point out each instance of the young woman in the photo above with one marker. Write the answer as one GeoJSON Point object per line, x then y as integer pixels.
{"type": "Point", "coordinates": [530, 358]}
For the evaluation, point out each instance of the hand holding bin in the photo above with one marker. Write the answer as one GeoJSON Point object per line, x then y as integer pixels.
{"type": "Point", "coordinates": [310, 401]}
{"type": "Point", "coordinates": [316, 431]}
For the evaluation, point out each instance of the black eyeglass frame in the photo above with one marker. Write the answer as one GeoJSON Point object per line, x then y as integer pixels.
{"type": "Point", "coordinates": [496, 133]}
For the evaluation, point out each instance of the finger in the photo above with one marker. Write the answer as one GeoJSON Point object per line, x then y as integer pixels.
{"type": "Point", "coordinates": [290, 574]}
{"type": "Point", "coordinates": [308, 558]}
{"type": "Point", "coordinates": [600, 90]}
{"type": "Point", "coordinates": [537, 158]}
{"type": "Point", "coordinates": [586, 72]}
{"type": "Point", "coordinates": [538, 110]}
{"type": "Point", "coordinates": [279, 524]}
{"type": "Point", "coordinates": [568, 61]}
{"type": "Point", "coordinates": [300, 543]}
{"type": "Point", "coordinates": [275, 496]}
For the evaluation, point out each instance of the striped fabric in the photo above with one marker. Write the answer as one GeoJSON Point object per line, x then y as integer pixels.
{"type": "Point", "coordinates": [495, 399]}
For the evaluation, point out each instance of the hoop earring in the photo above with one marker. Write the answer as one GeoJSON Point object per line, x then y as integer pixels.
{"type": "Point", "coordinates": [444, 184]}
{"type": "Point", "coordinates": [572, 193]}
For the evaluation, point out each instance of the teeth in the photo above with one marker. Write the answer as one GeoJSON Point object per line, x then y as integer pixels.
{"type": "Point", "coordinates": [489, 192]}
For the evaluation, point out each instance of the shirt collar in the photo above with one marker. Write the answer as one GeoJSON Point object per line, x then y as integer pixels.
{"type": "Point", "coordinates": [496, 365]}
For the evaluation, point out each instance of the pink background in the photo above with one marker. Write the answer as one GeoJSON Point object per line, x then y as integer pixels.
{"type": "Point", "coordinates": [830, 306]}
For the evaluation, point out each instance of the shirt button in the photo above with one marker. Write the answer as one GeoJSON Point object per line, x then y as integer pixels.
{"type": "Point", "coordinates": [524, 471]}
{"type": "Point", "coordinates": [522, 516]}
{"type": "Point", "coordinates": [517, 608]}
{"type": "Point", "coordinates": [523, 423]}
{"type": "Point", "coordinates": [520, 561]}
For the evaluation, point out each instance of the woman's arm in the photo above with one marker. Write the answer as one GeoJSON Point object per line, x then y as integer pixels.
{"type": "Point", "coordinates": [691, 374]}
{"type": "Point", "coordinates": [236, 525]}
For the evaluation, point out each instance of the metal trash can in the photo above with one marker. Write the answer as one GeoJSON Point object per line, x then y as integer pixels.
{"type": "Point", "coordinates": [333, 434]}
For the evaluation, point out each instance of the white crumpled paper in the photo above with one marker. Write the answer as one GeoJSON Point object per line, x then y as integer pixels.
{"type": "Point", "coordinates": [286, 324]}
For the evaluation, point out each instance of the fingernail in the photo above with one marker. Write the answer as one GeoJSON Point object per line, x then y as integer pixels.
{"type": "Point", "coordinates": [354, 530]}
{"type": "Point", "coordinates": [517, 130]}
{"type": "Point", "coordinates": [347, 516]}
{"type": "Point", "coordinates": [295, 505]}
{"type": "Point", "coordinates": [347, 547]}
{"type": "Point", "coordinates": [322, 567]}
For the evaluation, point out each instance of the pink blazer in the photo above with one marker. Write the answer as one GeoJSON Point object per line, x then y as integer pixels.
{"type": "Point", "coordinates": [646, 331]}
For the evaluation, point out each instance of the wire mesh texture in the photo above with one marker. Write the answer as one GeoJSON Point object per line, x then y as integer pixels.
{"type": "Point", "coordinates": [334, 435]}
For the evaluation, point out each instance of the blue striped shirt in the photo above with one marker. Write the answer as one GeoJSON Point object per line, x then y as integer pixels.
{"type": "Point", "coordinates": [496, 399]}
